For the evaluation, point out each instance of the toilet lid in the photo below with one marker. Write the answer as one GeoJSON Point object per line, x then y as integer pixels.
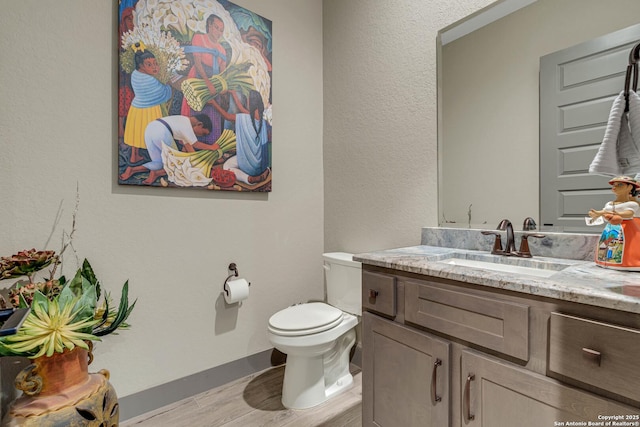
{"type": "Point", "coordinates": [304, 319]}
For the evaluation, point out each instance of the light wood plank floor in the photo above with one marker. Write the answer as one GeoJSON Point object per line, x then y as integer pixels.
{"type": "Point", "coordinates": [255, 401]}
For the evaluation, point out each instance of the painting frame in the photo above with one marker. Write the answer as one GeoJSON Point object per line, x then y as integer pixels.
{"type": "Point", "coordinates": [194, 95]}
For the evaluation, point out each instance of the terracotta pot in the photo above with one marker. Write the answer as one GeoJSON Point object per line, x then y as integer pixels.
{"type": "Point", "coordinates": [60, 391]}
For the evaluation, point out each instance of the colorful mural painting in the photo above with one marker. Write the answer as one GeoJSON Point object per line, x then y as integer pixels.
{"type": "Point", "coordinates": [194, 96]}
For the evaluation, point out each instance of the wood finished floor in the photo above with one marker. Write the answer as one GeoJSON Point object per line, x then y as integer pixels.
{"type": "Point", "coordinates": [255, 401]}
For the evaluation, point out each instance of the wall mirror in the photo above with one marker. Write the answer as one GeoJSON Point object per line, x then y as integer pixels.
{"type": "Point", "coordinates": [488, 102]}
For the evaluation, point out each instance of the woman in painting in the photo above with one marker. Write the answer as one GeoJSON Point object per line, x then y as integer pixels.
{"type": "Point", "coordinates": [209, 58]}
{"type": "Point", "coordinates": [619, 245]}
{"type": "Point", "coordinates": [251, 162]}
{"type": "Point", "coordinates": [150, 96]}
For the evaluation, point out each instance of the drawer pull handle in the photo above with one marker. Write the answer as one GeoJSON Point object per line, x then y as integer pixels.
{"type": "Point", "coordinates": [434, 380]}
{"type": "Point", "coordinates": [373, 294]}
{"type": "Point", "coordinates": [596, 355]}
{"type": "Point", "coordinates": [467, 396]}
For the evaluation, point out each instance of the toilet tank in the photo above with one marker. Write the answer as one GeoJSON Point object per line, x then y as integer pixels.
{"type": "Point", "coordinates": [343, 279]}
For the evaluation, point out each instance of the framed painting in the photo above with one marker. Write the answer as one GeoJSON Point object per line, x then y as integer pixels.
{"type": "Point", "coordinates": [194, 95]}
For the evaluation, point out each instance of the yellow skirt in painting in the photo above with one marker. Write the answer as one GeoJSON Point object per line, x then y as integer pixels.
{"type": "Point", "coordinates": [137, 121]}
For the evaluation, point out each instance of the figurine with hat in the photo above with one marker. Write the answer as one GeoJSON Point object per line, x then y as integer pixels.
{"type": "Point", "coordinates": [619, 245]}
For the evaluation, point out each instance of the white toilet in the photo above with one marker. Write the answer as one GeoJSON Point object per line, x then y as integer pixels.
{"type": "Point", "coordinates": [317, 337]}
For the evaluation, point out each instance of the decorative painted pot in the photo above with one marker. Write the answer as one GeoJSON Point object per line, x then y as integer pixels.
{"type": "Point", "coordinates": [59, 391]}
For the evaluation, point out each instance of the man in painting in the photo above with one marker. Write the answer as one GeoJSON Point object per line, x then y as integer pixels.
{"type": "Point", "coordinates": [168, 130]}
{"type": "Point", "coordinates": [209, 58]}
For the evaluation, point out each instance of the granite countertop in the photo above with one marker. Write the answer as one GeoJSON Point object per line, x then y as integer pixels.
{"type": "Point", "coordinates": [581, 281]}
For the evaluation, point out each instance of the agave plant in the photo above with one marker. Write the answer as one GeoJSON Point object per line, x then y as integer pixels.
{"type": "Point", "coordinates": [53, 326]}
{"type": "Point", "coordinates": [70, 318]}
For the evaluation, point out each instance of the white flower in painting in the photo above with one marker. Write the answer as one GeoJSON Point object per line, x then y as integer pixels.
{"type": "Point", "coordinates": [170, 161]}
{"type": "Point", "coordinates": [180, 171]}
{"type": "Point", "coordinates": [178, 178]}
{"type": "Point", "coordinates": [177, 8]}
{"type": "Point", "coordinates": [204, 4]}
{"type": "Point", "coordinates": [189, 9]}
{"type": "Point", "coordinates": [170, 21]}
{"type": "Point", "coordinates": [189, 176]}
{"type": "Point", "coordinates": [268, 115]}
{"type": "Point", "coordinates": [157, 17]}
{"type": "Point", "coordinates": [194, 25]}
{"type": "Point", "coordinates": [195, 176]}
{"type": "Point", "coordinates": [167, 50]}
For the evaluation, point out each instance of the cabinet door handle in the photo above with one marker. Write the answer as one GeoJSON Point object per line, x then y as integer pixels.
{"type": "Point", "coordinates": [373, 294]}
{"type": "Point", "coordinates": [467, 396]}
{"type": "Point", "coordinates": [434, 380]}
{"type": "Point", "coordinates": [596, 355]}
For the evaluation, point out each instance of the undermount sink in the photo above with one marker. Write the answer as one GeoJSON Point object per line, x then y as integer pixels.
{"type": "Point", "coordinates": [506, 264]}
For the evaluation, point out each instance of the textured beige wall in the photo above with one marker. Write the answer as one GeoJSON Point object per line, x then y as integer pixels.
{"type": "Point", "coordinates": [58, 130]}
{"type": "Point", "coordinates": [380, 119]}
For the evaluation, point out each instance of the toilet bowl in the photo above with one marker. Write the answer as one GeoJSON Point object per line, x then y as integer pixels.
{"type": "Point", "coordinates": [317, 337]}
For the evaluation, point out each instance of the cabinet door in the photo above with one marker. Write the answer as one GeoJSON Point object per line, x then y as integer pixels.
{"type": "Point", "coordinates": [499, 394]}
{"type": "Point", "coordinates": [405, 376]}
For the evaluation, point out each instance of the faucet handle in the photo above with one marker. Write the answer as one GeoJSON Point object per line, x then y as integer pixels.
{"type": "Point", "coordinates": [524, 251]}
{"type": "Point", "coordinates": [497, 244]}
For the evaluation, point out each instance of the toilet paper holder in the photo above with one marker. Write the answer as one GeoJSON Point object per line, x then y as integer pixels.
{"type": "Point", "coordinates": [234, 268]}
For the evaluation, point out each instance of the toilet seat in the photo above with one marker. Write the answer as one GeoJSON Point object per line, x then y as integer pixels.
{"type": "Point", "coordinates": [305, 319]}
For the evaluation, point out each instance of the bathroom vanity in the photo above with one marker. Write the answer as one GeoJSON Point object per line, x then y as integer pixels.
{"type": "Point", "coordinates": [454, 336]}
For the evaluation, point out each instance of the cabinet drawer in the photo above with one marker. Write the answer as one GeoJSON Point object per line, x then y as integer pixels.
{"type": "Point", "coordinates": [494, 324]}
{"type": "Point", "coordinates": [596, 353]}
{"type": "Point", "coordinates": [379, 293]}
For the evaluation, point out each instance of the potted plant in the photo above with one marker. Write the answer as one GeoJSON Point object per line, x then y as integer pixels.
{"type": "Point", "coordinates": [65, 317]}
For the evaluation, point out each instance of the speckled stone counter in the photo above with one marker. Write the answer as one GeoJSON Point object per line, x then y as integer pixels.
{"type": "Point", "coordinates": [581, 281]}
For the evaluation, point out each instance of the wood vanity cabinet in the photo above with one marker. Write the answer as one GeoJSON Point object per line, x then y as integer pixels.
{"type": "Point", "coordinates": [442, 353]}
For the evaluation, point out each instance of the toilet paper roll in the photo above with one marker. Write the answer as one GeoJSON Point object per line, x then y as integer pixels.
{"type": "Point", "coordinates": [237, 290]}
